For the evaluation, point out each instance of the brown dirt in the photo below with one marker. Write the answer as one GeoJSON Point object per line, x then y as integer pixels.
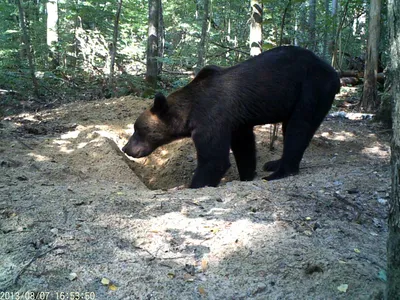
{"type": "Point", "coordinates": [74, 210]}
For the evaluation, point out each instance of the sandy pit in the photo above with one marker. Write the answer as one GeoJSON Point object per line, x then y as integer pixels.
{"type": "Point", "coordinates": [79, 218]}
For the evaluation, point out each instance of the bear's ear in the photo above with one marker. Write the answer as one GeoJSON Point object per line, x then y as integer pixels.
{"type": "Point", "coordinates": [160, 104]}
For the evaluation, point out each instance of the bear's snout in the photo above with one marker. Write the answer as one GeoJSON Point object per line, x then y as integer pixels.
{"type": "Point", "coordinates": [131, 151]}
{"type": "Point", "coordinates": [136, 150]}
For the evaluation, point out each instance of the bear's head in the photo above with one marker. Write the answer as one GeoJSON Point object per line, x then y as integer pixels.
{"type": "Point", "coordinates": [152, 129]}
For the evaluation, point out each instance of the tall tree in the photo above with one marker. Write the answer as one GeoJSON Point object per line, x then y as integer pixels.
{"type": "Point", "coordinates": [161, 37]}
{"type": "Point", "coordinates": [256, 27]}
{"type": "Point", "coordinates": [311, 23]}
{"type": "Point", "coordinates": [326, 29]}
{"type": "Point", "coordinates": [52, 32]}
{"type": "Point", "coordinates": [27, 46]}
{"type": "Point", "coordinates": [333, 45]}
{"type": "Point", "coordinates": [393, 245]}
{"type": "Point", "coordinates": [369, 100]}
{"type": "Point", "coordinates": [113, 48]}
{"type": "Point", "coordinates": [283, 22]}
{"type": "Point", "coordinates": [301, 26]}
{"type": "Point", "coordinates": [202, 46]}
{"type": "Point", "coordinates": [152, 43]}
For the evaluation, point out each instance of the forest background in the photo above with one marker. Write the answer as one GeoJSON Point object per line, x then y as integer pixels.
{"type": "Point", "coordinates": [58, 51]}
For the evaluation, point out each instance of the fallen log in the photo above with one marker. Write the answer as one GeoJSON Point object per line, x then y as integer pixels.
{"type": "Point", "coordinates": [358, 74]}
{"type": "Point", "coordinates": [344, 81]}
{"type": "Point", "coordinates": [351, 73]}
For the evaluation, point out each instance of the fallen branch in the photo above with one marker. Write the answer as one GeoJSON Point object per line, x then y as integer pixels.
{"type": "Point", "coordinates": [38, 255]}
{"type": "Point", "coordinates": [351, 73]}
{"type": "Point", "coordinates": [237, 49]}
{"type": "Point", "coordinates": [22, 143]}
{"type": "Point", "coordinates": [191, 73]}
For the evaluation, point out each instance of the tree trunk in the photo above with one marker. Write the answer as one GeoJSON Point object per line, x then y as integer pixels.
{"type": "Point", "coordinates": [152, 43]}
{"type": "Point", "coordinates": [393, 245]}
{"type": "Point", "coordinates": [161, 38]}
{"type": "Point", "coordinates": [384, 114]}
{"type": "Point", "coordinates": [334, 7]}
{"type": "Point", "coordinates": [283, 22]}
{"type": "Point", "coordinates": [256, 27]}
{"type": "Point", "coordinates": [311, 24]}
{"type": "Point", "coordinates": [52, 32]}
{"type": "Point", "coordinates": [27, 46]}
{"type": "Point", "coordinates": [203, 39]}
{"type": "Point", "coordinates": [369, 100]}
{"type": "Point", "coordinates": [75, 49]}
{"type": "Point", "coordinates": [113, 48]}
{"type": "Point", "coordinates": [302, 25]}
{"type": "Point", "coordinates": [334, 33]}
{"type": "Point", "coordinates": [326, 30]}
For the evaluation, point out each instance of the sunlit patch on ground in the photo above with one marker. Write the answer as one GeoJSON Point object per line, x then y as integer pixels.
{"type": "Point", "coordinates": [70, 135]}
{"type": "Point", "coordinates": [39, 157]}
{"type": "Point", "coordinates": [378, 151]}
{"type": "Point", "coordinates": [338, 136]}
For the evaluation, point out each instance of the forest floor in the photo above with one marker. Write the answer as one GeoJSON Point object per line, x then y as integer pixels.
{"type": "Point", "coordinates": [77, 216]}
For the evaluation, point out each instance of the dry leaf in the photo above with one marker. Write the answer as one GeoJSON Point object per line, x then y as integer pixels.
{"type": "Point", "coordinates": [188, 277]}
{"type": "Point", "coordinates": [112, 287]}
{"type": "Point", "coordinates": [202, 291]}
{"type": "Point", "coordinates": [171, 275]}
{"type": "Point", "coordinates": [204, 265]}
{"type": "Point", "coordinates": [184, 211]}
{"type": "Point", "coordinates": [356, 250]}
{"type": "Point", "coordinates": [105, 281]}
{"type": "Point", "coordinates": [214, 230]}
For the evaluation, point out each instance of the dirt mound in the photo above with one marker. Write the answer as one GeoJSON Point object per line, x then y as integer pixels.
{"type": "Point", "coordinates": [75, 211]}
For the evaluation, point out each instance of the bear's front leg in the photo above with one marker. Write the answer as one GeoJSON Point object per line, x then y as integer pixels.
{"type": "Point", "coordinates": [244, 149]}
{"type": "Point", "coordinates": [209, 173]}
{"type": "Point", "coordinates": [212, 160]}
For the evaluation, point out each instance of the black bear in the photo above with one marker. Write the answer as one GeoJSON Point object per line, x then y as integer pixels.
{"type": "Point", "coordinates": [220, 107]}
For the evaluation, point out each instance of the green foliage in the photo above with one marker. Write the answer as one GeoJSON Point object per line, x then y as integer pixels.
{"type": "Point", "coordinates": [85, 30]}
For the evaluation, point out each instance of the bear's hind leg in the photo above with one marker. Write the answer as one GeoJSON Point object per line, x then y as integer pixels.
{"type": "Point", "coordinates": [273, 165]}
{"type": "Point", "coordinates": [300, 128]}
{"type": "Point", "coordinates": [244, 149]}
{"type": "Point", "coordinates": [296, 141]}
{"type": "Point", "coordinates": [309, 113]}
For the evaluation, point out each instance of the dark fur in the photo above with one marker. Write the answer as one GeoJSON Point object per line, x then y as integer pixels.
{"type": "Point", "coordinates": [220, 107]}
